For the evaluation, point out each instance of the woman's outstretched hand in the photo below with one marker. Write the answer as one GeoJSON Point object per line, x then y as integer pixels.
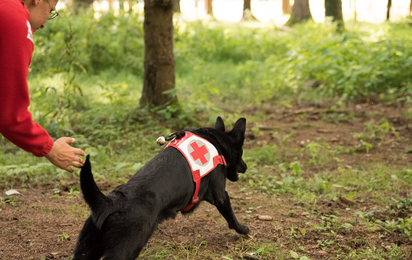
{"type": "Point", "coordinates": [63, 155]}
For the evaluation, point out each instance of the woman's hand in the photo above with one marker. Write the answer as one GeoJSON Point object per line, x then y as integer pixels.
{"type": "Point", "coordinates": [63, 155]}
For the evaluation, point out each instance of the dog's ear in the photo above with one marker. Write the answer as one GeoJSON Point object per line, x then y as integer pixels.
{"type": "Point", "coordinates": [219, 125]}
{"type": "Point", "coordinates": [239, 129]}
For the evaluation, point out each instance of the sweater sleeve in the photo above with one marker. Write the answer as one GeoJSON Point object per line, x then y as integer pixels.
{"type": "Point", "coordinates": [16, 48]}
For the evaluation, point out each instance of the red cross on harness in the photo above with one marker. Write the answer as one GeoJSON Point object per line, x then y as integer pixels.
{"type": "Point", "coordinates": [199, 152]}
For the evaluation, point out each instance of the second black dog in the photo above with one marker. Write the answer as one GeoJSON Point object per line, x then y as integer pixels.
{"type": "Point", "coordinates": [122, 222]}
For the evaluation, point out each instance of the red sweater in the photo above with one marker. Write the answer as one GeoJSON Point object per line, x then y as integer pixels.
{"type": "Point", "coordinates": [16, 49]}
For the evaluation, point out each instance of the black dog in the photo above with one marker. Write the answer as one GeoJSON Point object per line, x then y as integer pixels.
{"type": "Point", "coordinates": [122, 222]}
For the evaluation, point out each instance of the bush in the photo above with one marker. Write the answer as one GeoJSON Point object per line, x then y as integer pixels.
{"type": "Point", "coordinates": [239, 62]}
{"type": "Point", "coordinates": [108, 42]}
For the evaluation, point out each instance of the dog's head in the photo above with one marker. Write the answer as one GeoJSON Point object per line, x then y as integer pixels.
{"type": "Point", "coordinates": [235, 163]}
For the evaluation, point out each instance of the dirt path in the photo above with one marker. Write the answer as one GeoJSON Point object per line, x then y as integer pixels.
{"type": "Point", "coordinates": [44, 222]}
{"type": "Point", "coordinates": [40, 227]}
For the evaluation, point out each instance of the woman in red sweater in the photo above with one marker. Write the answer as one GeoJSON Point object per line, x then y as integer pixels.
{"type": "Point", "coordinates": [19, 19]}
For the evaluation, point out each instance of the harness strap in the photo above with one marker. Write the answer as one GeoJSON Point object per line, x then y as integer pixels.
{"type": "Point", "coordinates": [196, 173]}
{"type": "Point", "coordinates": [196, 179]}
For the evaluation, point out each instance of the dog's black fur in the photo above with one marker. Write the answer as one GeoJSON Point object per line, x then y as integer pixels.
{"type": "Point", "coordinates": [122, 222]}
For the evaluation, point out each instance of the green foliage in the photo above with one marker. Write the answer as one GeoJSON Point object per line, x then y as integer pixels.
{"type": "Point", "coordinates": [351, 64]}
{"type": "Point", "coordinates": [403, 203]}
{"type": "Point", "coordinates": [363, 147]}
{"type": "Point", "coordinates": [295, 255]}
{"type": "Point", "coordinates": [107, 42]}
{"type": "Point", "coordinates": [264, 155]}
{"type": "Point", "coordinates": [64, 236]}
{"type": "Point", "coordinates": [216, 43]}
{"type": "Point", "coordinates": [238, 63]}
{"type": "Point", "coordinates": [373, 131]}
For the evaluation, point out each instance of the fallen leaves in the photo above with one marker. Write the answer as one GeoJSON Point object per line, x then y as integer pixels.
{"type": "Point", "coordinates": [264, 217]}
{"type": "Point", "coordinates": [373, 229]}
{"type": "Point", "coordinates": [324, 131]}
{"type": "Point", "coordinates": [347, 200]}
{"type": "Point", "coordinates": [11, 192]}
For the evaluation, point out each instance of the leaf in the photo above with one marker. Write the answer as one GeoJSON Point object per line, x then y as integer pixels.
{"type": "Point", "coordinates": [262, 250]}
{"type": "Point", "coordinates": [347, 225]}
{"type": "Point", "coordinates": [44, 100]}
{"type": "Point", "coordinates": [264, 217]}
{"type": "Point", "coordinates": [288, 180]}
{"type": "Point", "coordinates": [137, 166]}
{"type": "Point", "coordinates": [359, 214]}
{"type": "Point", "coordinates": [295, 168]}
{"type": "Point", "coordinates": [53, 125]}
{"type": "Point", "coordinates": [80, 66]}
{"type": "Point", "coordinates": [171, 92]}
{"type": "Point", "coordinates": [11, 192]}
{"type": "Point", "coordinates": [214, 90]}
{"type": "Point", "coordinates": [294, 254]}
{"type": "Point", "coordinates": [119, 166]}
{"type": "Point", "coordinates": [79, 89]}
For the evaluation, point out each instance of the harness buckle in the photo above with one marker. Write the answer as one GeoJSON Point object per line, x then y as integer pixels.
{"type": "Point", "coordinates": [195, 200]}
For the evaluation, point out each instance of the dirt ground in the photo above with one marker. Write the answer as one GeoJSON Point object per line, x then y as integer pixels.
{"type": "Point", "coordinates": [44, 223]}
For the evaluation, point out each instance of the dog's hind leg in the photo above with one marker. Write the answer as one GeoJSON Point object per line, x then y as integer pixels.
{"type": "Point", "coordinates": [129, 249]}
{"type": "Point", "coordinates": [91, 255]}
{"type": "Point", "coordinates": [124, 256]}
{"type": "Point", "coordinates": [226, 210]}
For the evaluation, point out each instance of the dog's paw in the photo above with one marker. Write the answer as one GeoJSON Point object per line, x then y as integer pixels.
{"type": "Point", "coordinates": [242, 229]}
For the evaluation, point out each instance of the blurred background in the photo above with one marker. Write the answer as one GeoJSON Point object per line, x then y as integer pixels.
{"type": "Point", "coordinates": [373, 11]}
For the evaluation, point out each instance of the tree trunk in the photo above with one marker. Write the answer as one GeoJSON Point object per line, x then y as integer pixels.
{"type": "Point", "coordinates": [356, 12]}
{"type": "Point", "coordinates": [333, 8]}
{"type": "Point", "coordinates": [110, 3]}
{"type": "Point", "coordinates": [300, 12]}
{"type": "Point", "coordinates": [88, 2]}
{"type": "Point", "coordinates": [410, 8]}
{"type": "Point", "coordinates": [209, 7]}
{"type": "Point", "coordinates": [246, 5]}
{"type": "Point", "coordinates": [176, 6]}
{"type": "Point", "coordinates": [286, 6]}
{"type": "Point", "coordinates": [388, 10]}
{"type": "Point", "coordinates": [159, 61]}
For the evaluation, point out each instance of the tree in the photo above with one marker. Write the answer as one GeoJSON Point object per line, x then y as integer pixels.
{"type": "Point", "coordinates": [209, 7]}
{"type": "Point", "coordinates": [333, 8]}
{"type": "Point", "coordinates": [388, 10]}
{"type": "Point", "coordinates": [286, 6]}
{"type": "Point", "coordinates": [176, 4]}
{"type": "Point", "coordinates": [246, 5]}
{"type": "Point", "coordinates": [159, 61]}
{"type": "Point", "coordinates": [410, 8]}
{"type": "Point", "coordinates": [300, 12]}
{"type": "Point", "coordinates": [88, 2]}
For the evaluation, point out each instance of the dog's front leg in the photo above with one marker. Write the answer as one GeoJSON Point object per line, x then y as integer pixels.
{"type": "Point", "coordinates": [226, 210]}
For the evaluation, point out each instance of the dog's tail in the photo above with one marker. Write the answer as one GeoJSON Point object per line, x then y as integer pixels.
{"type": "Point", "coordinates": [99, 204]}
